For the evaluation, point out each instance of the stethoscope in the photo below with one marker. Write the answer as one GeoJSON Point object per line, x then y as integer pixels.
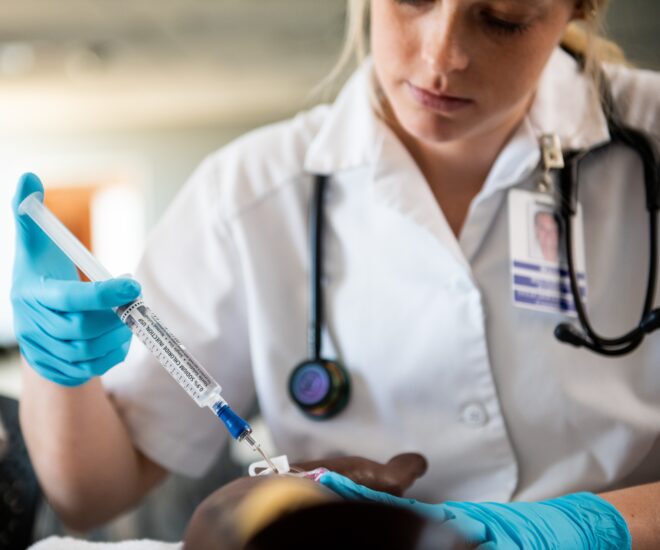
{"type": "Point", "coordinates": [567, 201]}
{"type": "Point", "coordinates": [321, 387]}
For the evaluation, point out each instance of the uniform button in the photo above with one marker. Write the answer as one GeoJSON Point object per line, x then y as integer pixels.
{"type": "Point", "coordinates": [475, 415]}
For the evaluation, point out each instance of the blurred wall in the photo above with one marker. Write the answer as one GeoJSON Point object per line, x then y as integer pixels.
{"type": "Point", "coordinates": [635, 25]}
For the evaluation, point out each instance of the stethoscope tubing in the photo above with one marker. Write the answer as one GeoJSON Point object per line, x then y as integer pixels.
{"type": "Point", "coordinates": [320, 387]}
{"type": "Point", "coordinates": [316, 269]}
{"type": "Point", "coordinates": [568, 202]}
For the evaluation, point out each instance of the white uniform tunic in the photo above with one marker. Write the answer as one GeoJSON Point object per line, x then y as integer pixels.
{"type": "Point", "coordinates": [440, 359]}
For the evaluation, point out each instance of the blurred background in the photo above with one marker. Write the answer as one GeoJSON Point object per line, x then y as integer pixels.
{"type": "Point", "coordinates": [114, 102]}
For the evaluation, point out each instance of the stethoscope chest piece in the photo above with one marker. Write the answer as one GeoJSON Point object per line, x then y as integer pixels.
{"type": "Point", "coordinates": [320, 388]}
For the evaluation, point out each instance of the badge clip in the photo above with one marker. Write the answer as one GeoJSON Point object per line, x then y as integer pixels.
{"type": "Point", "coordinates": [552, 159]}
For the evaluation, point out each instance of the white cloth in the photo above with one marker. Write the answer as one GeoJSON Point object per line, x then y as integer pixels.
{"type": "Point", "coordinates": [68, 543]}
{"type": "Point", "coordinates": [441, 361]}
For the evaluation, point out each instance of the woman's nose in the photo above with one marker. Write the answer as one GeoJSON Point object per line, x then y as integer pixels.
{"type": "Point", "coordinates": [442, 47]}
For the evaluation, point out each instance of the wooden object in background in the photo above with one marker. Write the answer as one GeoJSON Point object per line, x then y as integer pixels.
{"type": "Point", "coordinates": [72, 205]}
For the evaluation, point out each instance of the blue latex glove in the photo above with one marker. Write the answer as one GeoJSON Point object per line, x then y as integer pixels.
{"type": "Point", "coordinates": [65, 328]}
{"type": "Point", "coordinates": [580, 521]}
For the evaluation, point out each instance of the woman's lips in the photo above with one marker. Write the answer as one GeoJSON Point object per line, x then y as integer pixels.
{"type": "Point", "coordinates": [438, 102]}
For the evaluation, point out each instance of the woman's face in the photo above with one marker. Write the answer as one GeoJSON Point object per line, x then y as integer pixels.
{"type": "Point", "coordinates": [460, 69]}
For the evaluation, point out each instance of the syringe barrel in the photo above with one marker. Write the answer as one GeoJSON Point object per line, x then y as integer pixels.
{"type": "Point", "coordinates": [144, 324]}
{"type": "Point", "coordinates": [33, 206]}
{"type": "Point", "coordinates": [171, 354]}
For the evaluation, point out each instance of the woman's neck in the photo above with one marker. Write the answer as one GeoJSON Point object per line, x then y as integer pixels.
{"type": "Point", "coordinates": [456, 170]}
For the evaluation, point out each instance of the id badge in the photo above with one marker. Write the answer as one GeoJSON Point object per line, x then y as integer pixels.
{"type": "Point", "coordinates": [539, 271]}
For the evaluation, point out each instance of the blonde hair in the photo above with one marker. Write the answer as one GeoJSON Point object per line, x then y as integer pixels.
{"type": "Point", "coordinates": [583, 37]}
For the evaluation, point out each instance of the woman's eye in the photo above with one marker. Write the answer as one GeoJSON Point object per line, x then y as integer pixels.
{"type": "Point", "coordinates": [502, 26]}
{"type": "Point", "coordinates": [414, 2]}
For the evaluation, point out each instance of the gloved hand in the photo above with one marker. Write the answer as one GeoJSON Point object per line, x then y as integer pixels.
{"type": "Point", "coordinates": [580, 521]}
{"type": "Point", "coordinates": [65, 328]}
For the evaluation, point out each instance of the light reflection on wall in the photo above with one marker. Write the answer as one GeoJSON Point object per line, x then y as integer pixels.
{"type": "Point", "coordinates": [118, 227]}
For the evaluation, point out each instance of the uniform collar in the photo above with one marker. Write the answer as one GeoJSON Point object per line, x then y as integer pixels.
{"type": "Point", "coordinates": [352, 134]}
{"type": "Point", "coordinates": [564, 104]}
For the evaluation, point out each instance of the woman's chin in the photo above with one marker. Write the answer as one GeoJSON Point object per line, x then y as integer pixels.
{"type": "Point", "coordinates": [433, 130]}
{"type": "Point", "coordinates": [429, 127]}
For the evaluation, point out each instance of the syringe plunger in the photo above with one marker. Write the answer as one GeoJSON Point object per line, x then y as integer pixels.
{"type": "Point", "coordinates": [32, 205]}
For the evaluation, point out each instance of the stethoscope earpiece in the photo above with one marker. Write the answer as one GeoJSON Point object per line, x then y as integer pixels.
{"type": "Point", "coordinates": [320, 388]}
{"type": "Point", "coordinates": [567, 333]}
{"type": "Point", "coordinates": [651, 322]}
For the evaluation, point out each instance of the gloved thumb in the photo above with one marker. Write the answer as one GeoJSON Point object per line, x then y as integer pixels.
{"type": "Point", "coordinates": [35, 252]}
{"type": "Point", "coordinates": [350, 490]}
{"type": "Point", "coordinates": [27, 231]}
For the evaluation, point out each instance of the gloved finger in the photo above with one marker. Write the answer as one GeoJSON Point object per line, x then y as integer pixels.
{"type": "Point", "coordinates": [53, 368]}
{"type": "Point", "coordinates": [36, 320]}
{"type": "Point", "coordinates": [72, 374]}
{"type": "Point", "coordinates": [101, 365]}
{"type": "Point", "coordinates": [350, 490]}
{"type": "Point", "coordinates": [35, 253]}
{"type": "Point", "coordinates": [403, 470]}
{"type": "Point", "coordinates": [87, 325]}
{"type": "Point", "coordinates": [74, 351]}
{"type": "Point", "coordinates": [31, 242]}
{"type": "Point", "coordinates": [47, 371]}
{"type": "Point", "coordinates": [74, 296]}
{"type": "Point", "coordinates": [27, 184]}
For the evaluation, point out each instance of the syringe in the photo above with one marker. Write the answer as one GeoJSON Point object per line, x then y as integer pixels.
{"type": "Point", "coordinates": [144, 324]}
